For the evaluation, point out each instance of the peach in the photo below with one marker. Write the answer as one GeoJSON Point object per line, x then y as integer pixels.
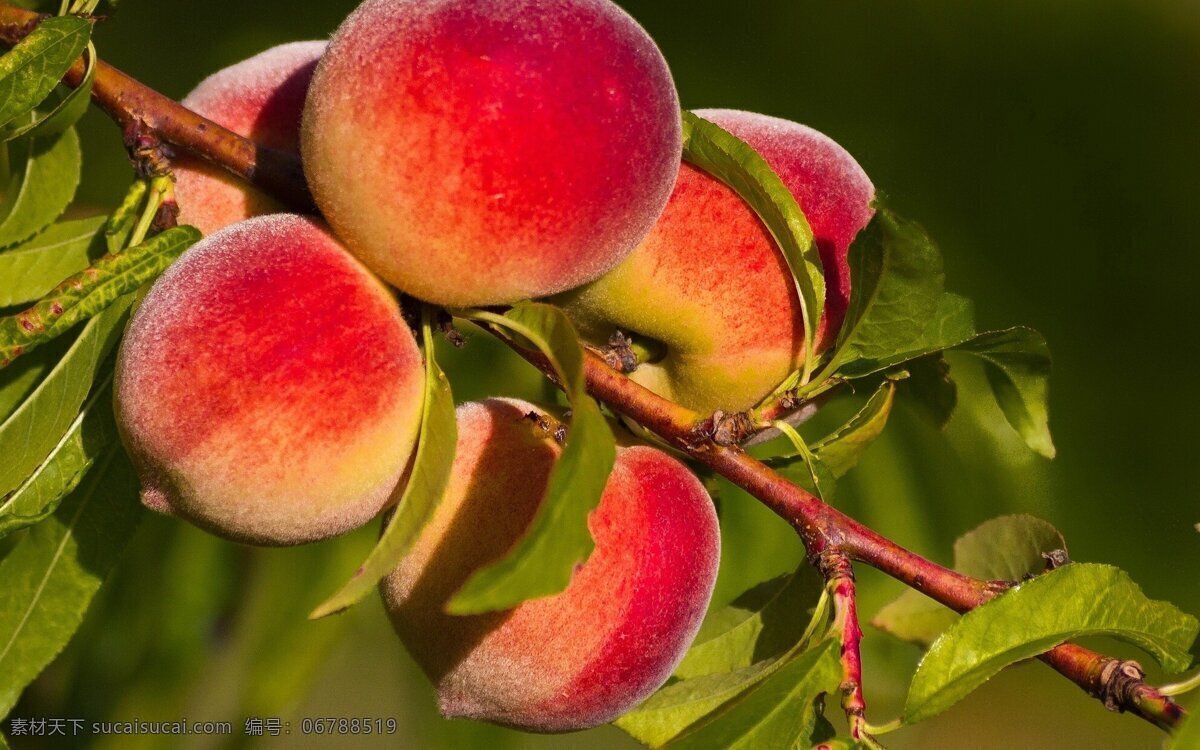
{"type": "Point", "coordinates": [261, 99]}
{"type": "Point", "coordinates": [268, 388]}
{"type": "Point", "coordinates": [590, 653]}
{"type": "Point", "coordinates": [476, 152]}
{"type": "Point", "coordinates": [710, 290]}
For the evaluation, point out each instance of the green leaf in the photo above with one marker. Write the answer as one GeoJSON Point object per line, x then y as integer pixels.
{"type": "Point", "coordinates": [666, 714]}
{"type": "Point", "coordinates": [1008, 548]}
{"type": "Point", "coordinates": [841, 450]}
{"type": "Point", "coordinates": [426, 484]}
{"type": "Point", "coordinates": [29, 434]}
{"type": "Point", "coordinates": [52, 573]}
{"type": "Point", "coordinates": [31, 70]}
{"type": "Point", "coordinates": [896, 273]}
{"type": "Point", "coordinates": [542, 562]}
{"type": "Point", "coordinates": [681, 704]}
{"type": "Point", "coordinates": [1017, 364]}
{"type": "Point", "coordinates": [19, 380]}
{"type": "Point", "coordinates": [1071, 602]}
{"type": "Point", "coordinates": [779, 711]}
{"type": "Point", "coordinates": [123, 221]}
{"type": "Point", "coordinates": [92, 290]}
{"type": "Point", "coordinates": [40, 494]}
{"type": "Point", "coordinates": [951, 323]}
{"type": "Point", "coordinates": [70, 108]}
{"type": "Point", "coordinates": [37, 265]}
{"type": "Point", "coordinates": [760, 624]}
{"type": "Point", "coordinates": [735, 163]}
{"type": "Point", "coordinates": [808, 472]}
{"type": "Point", "coordinates": [42, 188]}
{"type": "Point", "coordinates": [804, 468]}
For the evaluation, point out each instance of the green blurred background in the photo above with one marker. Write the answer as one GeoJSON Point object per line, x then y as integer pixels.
{"type": "Point", "coordinates": [1051, 149]}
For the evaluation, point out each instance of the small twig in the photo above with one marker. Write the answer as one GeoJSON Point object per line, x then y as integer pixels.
{"type": "Point", "coordinates": [838, 572]}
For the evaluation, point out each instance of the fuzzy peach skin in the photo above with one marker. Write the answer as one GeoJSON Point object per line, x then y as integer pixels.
{"type": "Point", "coordinates": [586, 655]}
{"type": "Point", "coordinates": [477, 152]}
{"type": "Point", "coordinates": [261, 99]}
{"type": "Point", "coordinates": [709, 283]}
{"type": "Point", "coordinates": [268, 388]}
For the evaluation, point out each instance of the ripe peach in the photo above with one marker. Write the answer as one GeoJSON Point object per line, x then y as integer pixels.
{"type": "Point", "coordinates": [590, 653]}
{"type": "Point", "coordinates": [478, 152]}
{"type": "Point", "coordinates": [710, 288]}
{"type": "Point", "coordinates": [261, 99]}
{"type": "Point", "coordinates": [268, 387]}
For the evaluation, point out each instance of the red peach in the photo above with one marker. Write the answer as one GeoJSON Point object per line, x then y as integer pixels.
{"type": "Point", "coordinates": [478, 152]}
{"type": "Point", "coordinates": [710, 285]}
{"type": "Point", "coordinates": [261, 99]}
{"type": "Point", "coordinates": [590, 653]}
{"type": "Point", "coordinates": [268, 387]}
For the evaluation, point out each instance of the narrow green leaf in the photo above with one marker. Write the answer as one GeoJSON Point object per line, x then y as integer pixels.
{"type": "Point", "coordinates": [1007, 548]}
{"type": "Point", "coordinates": [40, 494]}
{"type": "Point", "coordinates": [31, 70]}
{"type": "Point", "coordinates": [70, 108]}
{"type": "Point", "coordinates": [1071, 602]}
{"type": "Point", "coordinates": [896, 273]}
{"type": "Point", "coordinates": [1017, 363]}
{"type": "Point", "coordinates": [92, 290]}
{"type": "Point", "coordinates": [841, 450]}
{"type": "Point", "coordinates": [542, 562]}
{"type": "Point", "coordinates": [29, 434]}
{"type": "Point", "coordinates": [42, 187]}
{"type": "Point", "coordinates": [37, 265]}
{"type": "Point", "coordinates": [3, 742]}
{"type": "Point", "coordinates": [804, 468]}
{"type": "Point", "coordinates": [735, 163]}
{"type": "Point", "coordinates": [422, 493]}
{"type": "Point", "coordinates": [760, 624]}
{"type": "Point", "coordinates": [52, 573]}
{"type": "Point", "coordinates": [123, 221]}
{"type": "Point", "coordinates": [779, 711]}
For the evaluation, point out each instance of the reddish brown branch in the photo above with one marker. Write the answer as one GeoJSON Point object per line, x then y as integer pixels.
{"type": "Point", "coordinates": [135, 106]}
{"type": "Point", "coordinates": [838, 571]}
{"type": "Point", "coordinates": [822, 528]}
